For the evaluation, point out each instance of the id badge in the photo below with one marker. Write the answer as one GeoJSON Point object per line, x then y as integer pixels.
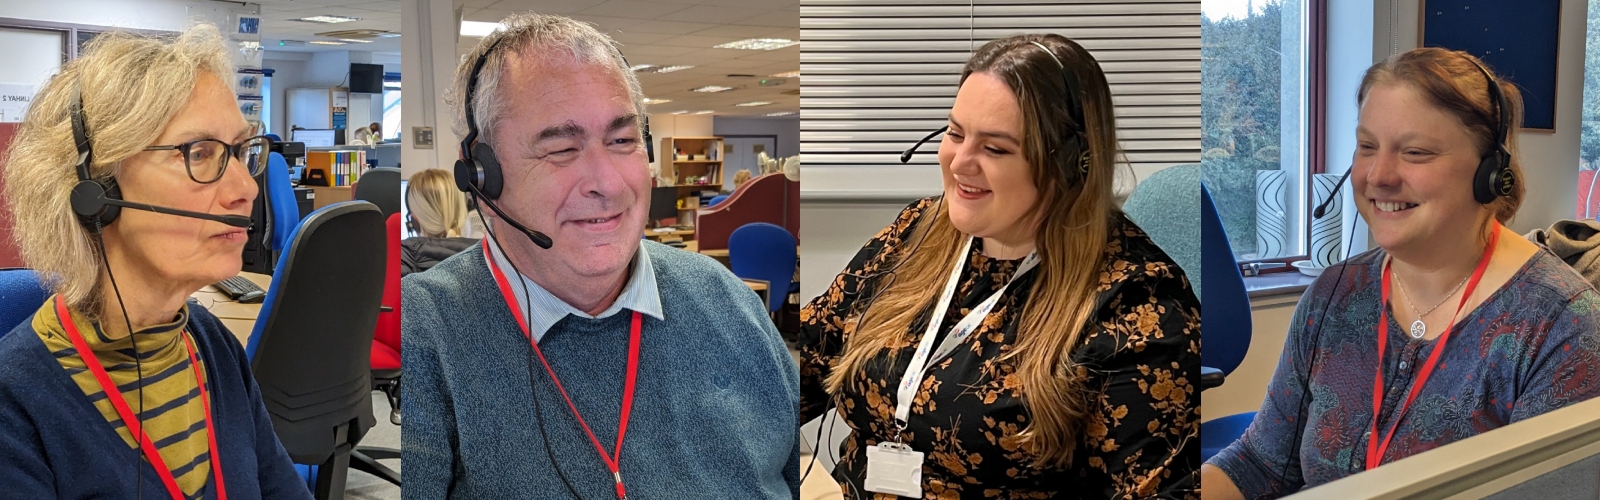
{"type": "Point", "coordinates": [895, 469]}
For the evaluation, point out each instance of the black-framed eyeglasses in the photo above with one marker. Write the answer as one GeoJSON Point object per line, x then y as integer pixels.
{"type": "Point", "coordinates": [207, 159]}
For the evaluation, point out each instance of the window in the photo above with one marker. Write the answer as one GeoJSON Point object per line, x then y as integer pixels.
{"type": "Point", "coordinates": [391, 109]}
{"type": "Point", "coordinates": [1261, 122]}
{"type": "Point", "coordinates": [1589, 138]}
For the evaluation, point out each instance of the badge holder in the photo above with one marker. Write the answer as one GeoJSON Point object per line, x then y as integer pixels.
{"type": "Point", "coordinates": [895, 469]}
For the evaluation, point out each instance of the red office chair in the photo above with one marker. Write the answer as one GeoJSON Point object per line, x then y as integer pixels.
{"type": "Point", "coordinates": [386, 339]}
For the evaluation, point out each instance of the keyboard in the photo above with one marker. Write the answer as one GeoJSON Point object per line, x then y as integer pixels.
{"type": "Point", "coordinates": [240, 289]}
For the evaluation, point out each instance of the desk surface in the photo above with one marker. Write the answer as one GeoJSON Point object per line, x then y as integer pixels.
{"type": "Point", "coordinates": [239, 318]}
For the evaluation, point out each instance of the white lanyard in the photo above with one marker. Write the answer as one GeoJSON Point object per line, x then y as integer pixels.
{"type": "Point", "coordinates": [958, 333]}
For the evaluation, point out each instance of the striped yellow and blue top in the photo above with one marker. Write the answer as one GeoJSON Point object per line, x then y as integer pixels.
{"type": "Point", "coordinates": [172, 413]}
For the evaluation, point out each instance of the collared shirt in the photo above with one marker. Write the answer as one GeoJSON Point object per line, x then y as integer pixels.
{"type": "Point", "coordinates": [544, 309]}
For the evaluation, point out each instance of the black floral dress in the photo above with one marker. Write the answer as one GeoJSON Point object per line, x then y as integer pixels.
{"type": "Point", "coordinates": [1140, 358]}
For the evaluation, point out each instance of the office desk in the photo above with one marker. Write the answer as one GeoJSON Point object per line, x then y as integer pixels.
{"type": "Point", "coordinates": [328, 195]}
{"type": "Point", "coordinates": [675, 234]}
{"type": "Point", "coordinates": [239, 318]}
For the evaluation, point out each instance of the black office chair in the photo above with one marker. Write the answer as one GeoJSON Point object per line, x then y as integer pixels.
{"type": "Point", "coordinates": [311, 345]}
{"type": "Point", "coordinates": [381, 186]}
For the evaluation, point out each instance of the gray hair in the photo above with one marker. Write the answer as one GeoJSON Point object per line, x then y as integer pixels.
{"type": "Point", "coordinates": [548, 36]}
{"type": "Point", "coordinates": [132, 86]}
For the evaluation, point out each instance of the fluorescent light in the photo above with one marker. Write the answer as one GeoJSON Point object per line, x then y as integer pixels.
{"type": "Point", "coordinates": [479, 29]}
{"type": "Point", "coordinates": [352, 40]}
{"type": "Point", "coordinates": [327, 19]}
{"type": "Point", "coordinates": [753, 104]}
{"type": "Point", "coordinates": [758, 44]}
{"type": "Point", "coordinates": [651, 68]}
{"type": "Point", "coordinates": [711, 88]}
{"type": "Point", "coordinates": [787, 74]}
{"type": "Point", "coordinates": [781, 113]}
{"type": "Point", "coordinates": [325, 42]}
{"type": "Point", "coordinates": [681, 112]}
{"type": "Point", "coordinates": [706, 112]}
{"type": "Point", "coordinates": [649, 101]}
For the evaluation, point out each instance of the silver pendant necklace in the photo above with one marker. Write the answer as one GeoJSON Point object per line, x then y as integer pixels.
{"type": "Point", "coordinates": [1419, 329]}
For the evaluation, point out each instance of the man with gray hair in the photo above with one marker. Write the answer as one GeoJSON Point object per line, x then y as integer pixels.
{"type": "Point", "coordinates": [534, 356]}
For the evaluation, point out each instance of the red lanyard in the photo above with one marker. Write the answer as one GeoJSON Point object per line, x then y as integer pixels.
{"type": "Point", "coordinates": [1375, 449]}
{"type": "Point", "coordinates": [612, 460]}
{"type": "Point", "coordinates": [115, 396]}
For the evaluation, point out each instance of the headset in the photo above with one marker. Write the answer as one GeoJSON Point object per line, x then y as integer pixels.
{"type": "Point", "coordinates": [1076, 143]}
{"type": "Point", "coordinates": [1492, 179]}
{"type": "Point", "coordinates": [478, 171]}
{"type": "Point", "coordinates": [99, 201]}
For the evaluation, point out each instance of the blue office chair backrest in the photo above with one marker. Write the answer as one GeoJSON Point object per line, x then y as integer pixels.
{"type": "Point", "coordinates": [283, 209]}
{"type": "Point", "coordinates": [1226, 331]}
{"type": "Point", "coordinates": [765, 252]}
{"type": "Point", "coordinates": [21, 295]}
{"type": "Point", "coordinates": [717, 199]}
{"type": "Point", "coordinates": [1162, 205]}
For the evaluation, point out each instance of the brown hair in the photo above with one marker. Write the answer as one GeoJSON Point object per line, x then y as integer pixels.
{"type": "Point", "coordinates": [1073, 225]}
{"type": "Point", "coordinates": [1452, 81]}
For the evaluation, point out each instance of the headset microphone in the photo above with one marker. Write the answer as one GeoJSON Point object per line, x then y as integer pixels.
{"type": "Point", "coordinates": [1322, 208]}
{"type": "Point", "coordinates": [87, 203]}
{"type": "Point", "coordinates": [537, 237]}
{"type": "Point", "coordinates": [906, 156]}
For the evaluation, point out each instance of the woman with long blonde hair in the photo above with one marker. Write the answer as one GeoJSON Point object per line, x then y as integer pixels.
{"type": "Point", "coordinates": [1066, 355]}
{"type": "Point", "coordinates": [438, 216]}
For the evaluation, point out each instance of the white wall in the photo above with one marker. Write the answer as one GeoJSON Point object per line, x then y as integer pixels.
{"type": "Point", "coordinates": [429, 62]}
{"type": "Point", "coordinates": [166, 15]}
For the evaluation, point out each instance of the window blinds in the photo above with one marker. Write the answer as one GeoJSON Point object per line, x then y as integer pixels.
{"type": "Point", "coordinates": [879, 74]}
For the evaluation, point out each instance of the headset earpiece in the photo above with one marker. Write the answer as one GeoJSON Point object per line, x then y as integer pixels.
{"type": "Point", "coordinates": [88, 198]}
{"type": "Point", "coordinates": [1494, 177]}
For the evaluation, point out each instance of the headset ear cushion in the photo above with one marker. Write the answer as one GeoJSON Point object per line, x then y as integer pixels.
{"type": "Point", "coordinates": [88, 201]}
{"type": "Point", "coordinates": [492, 180]}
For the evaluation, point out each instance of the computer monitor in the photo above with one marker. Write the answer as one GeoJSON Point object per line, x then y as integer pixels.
{"type": "Point", "coordinates": [663, 203]}
{"type": "Point", "coordinates": [316, 137]}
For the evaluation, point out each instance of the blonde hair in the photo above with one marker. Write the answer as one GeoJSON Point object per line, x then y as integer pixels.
{"type": "Point", "coordinates": [740, 177]}
{"type": "Point", "coordinates": [439, 209]}
{"type": "Point", "coordinates": [1074, 223]}
{"type": "Point", "coordinates": [1452, 81]}
{"type": "Point", "coordinates": [131, 87]}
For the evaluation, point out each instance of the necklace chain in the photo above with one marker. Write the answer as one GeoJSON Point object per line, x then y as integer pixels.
{"type": "Point", "coordinates": [1446, 298]}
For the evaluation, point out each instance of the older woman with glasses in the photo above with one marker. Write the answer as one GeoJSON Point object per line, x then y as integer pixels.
{"type": "Point", "coordinates": [131, 181]}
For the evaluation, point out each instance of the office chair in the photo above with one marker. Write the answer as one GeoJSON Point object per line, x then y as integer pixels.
{"type": "Point", "coordinates": [282, 207]}
{"type": "Point", "coordinates": [1163, 205]}
{"type": "Point", "coordinates": [312, 342]}
{"type": "Point", "coordinates": [1226, 330]}
{"type": "Point", "coordinates": [386, 339]}
{"type": "Point", "coordinates": [21, 295]}
{"type": "Point", "coordinates": [765, 252]}
{"type": "Point", "coordinates": [381, 186]}
{"type": "Point", "coordinates": [717, 199]}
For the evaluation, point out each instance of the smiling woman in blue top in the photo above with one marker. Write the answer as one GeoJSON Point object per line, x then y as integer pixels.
{"type": "Point", "coordinates": [1464, 325]}
{"type": "Point", "coordinates": [119, 385]}
{"type": "Point", "coordinates": [562, 357]}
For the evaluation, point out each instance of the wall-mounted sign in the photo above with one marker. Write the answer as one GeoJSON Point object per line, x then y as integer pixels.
{"type": "Point", "coordinates": [14, 99]}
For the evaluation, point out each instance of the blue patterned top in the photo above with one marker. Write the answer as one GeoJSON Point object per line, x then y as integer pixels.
{"type": "Point", "coordinates": [1533, 346]}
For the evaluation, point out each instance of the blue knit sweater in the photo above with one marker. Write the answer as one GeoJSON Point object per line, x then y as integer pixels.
{"type": "Point", "coordinates": [55, 444]}
{"type": "Point", "coordinates": [714, 413]}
